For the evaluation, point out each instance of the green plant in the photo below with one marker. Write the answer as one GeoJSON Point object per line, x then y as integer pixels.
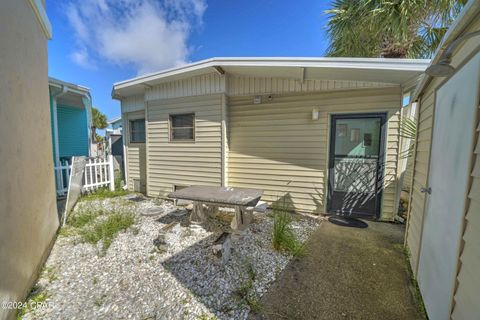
{"type": "Point", "coordinates": [390, 29]}
{"type": "Point", "coordinates": [206, 317]}
{"type": "Point", "coordinates": [82, 218]}
{"type": "Point", "coordinates": [104, 193]}
{"type": "Point", "coordinates": [408, 130]}
{"type": "Point", "coordinates": [283, 237]}
{"type": "Point", "coordinates": [118, 179]}
{"type": "Point", "coordinates": [35, 298]}
{"type": "Point", "coordinates": [107, 229]}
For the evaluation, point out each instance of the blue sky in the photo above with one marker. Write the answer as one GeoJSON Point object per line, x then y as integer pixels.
{"type": "Point", "coordinates": [98, 42]}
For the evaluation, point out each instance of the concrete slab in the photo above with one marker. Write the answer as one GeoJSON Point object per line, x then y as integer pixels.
{"type": "Point", "coordinates": [348, 273]}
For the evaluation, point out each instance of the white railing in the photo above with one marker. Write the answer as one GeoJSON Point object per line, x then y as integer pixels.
{"type": "Point", "coordinates": [62, 177]}
{"type": "Point", "coordinates": [98, 173]}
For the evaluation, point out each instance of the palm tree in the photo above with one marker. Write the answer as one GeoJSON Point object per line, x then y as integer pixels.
{"type": "Point", "coordinates": [99, 121]}
{"type": "Point", "coordinates": [389, 28]}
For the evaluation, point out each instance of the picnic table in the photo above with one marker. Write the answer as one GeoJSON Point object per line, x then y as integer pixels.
{"type": "Point", "coordinates": [239, 198]}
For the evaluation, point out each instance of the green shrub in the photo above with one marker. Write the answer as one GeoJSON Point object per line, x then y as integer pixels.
{"type": "Point", "coordinates": [283, 238]}
{"type": "Point", "coordinates": [107, 229]}
{"type": "Point", "coordinates": [104, 193]}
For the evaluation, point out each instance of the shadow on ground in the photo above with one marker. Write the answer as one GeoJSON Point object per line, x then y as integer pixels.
{"type": "Point", "coordinates": [348, 273]}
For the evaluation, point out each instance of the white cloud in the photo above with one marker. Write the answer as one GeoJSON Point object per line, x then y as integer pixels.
{"type": "Point", "coordinates": [144, 33]}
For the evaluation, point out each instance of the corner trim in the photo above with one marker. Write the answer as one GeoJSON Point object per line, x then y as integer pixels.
{"type": "Point", "coordinates": [42, 17]}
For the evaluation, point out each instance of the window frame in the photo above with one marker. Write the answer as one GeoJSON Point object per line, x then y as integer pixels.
{"type": "Point", "coordinates": [170, 127]}
{"type": "Point", "coordinates": [130, 131]}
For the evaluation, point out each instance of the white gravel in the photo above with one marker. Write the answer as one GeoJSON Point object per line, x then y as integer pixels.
{"type": "Point", "coordinates": [179, 279]}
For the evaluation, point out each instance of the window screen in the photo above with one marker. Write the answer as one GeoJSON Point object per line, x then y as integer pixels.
{"type": "Point", "coordinates": [137, 130]}
{"type": "Point", "coordinates": [182, 127]}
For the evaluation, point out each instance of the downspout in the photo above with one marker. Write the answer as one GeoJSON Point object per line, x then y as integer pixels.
{"type": "Point", "coordinates": [64, 90]}
{"type": "Point", "coordinates": [87, 102]}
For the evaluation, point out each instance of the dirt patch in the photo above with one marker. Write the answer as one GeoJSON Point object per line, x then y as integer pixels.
{"type": "Point", "coordinates": [348, 273]}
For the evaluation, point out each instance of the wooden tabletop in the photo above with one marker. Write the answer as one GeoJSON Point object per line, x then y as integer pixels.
{"type": "Point", "coordinates": [221, 195]}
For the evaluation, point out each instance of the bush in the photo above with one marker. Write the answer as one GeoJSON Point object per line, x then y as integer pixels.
{"type": "Point", "coordinates": [283, 238]}
{"type": "Point", "coordinates": [104, 193]}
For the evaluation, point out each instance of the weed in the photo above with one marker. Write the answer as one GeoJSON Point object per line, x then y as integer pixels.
{"type": "Point", "coordinates": [95, 280]}
{"type": "Point", "coordinates": [104, 193]}
{"type": "Point", "coordinates": [99, 302]}
{"type": "Point", "coordinates": [118, 179]}
{"type": "Point", "coordinates": [206, 317]}
{"type": "Point", "coordinates": [254, 304]}
{"type": "Point", "coordinates": [282, 234]}
{"type": "Point", "coordinates": [82, 218]}
{"type": "Point", "coordinates": [244, 289]}
{"type": "Point", "coordinates": [251, 272]}
{"type": "Point", "coordinates": [36, 297]}
{"type": "Point", "coordinates": [50, 273]}
{"type": "Point", "coordinates": [107, 229]}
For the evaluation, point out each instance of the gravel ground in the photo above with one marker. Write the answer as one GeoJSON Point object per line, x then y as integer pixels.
{"type": "Point", "coordinates": [175, 276]}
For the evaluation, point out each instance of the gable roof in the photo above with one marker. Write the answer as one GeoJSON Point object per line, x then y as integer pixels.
{"type": "Point", "coordinates": [395, 71]}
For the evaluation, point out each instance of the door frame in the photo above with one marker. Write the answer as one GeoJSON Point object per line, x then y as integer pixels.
{"type": "Point", "coordinates": [381, 161]}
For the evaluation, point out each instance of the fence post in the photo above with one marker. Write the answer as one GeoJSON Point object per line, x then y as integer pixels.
{"type": "Point", "coordinates": [110, 172]}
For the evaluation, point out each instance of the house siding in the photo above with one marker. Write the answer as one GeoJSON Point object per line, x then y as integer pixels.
{"type": "Point", "coordinates": [184, 163]}
{"type": "Point", "coordinates": [276, 146]}
{"type": "Point", "coordinates": [72, 131]}
{"type": "Point", "coordinates": [466, 296]}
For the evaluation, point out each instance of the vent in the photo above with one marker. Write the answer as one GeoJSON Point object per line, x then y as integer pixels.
{"type": "Point", "coordinates": [136, 185]}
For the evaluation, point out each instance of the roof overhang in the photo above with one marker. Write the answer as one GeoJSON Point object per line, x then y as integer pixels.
{"type": "Point", "coordinates": [394, 71]}
{"type": "Point", "coordinates": [68, 93]}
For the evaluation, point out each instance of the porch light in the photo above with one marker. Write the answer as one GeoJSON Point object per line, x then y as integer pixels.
{"type": "Point", "coordinates": [443, 68]}
{"type": "Point", "coordinates": [315, 114]}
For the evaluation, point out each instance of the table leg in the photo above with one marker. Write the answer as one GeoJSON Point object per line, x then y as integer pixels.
{"type": "Point", "coordinates": [242, 219]}
{"type": "Point", "coordinates": [198, 215]}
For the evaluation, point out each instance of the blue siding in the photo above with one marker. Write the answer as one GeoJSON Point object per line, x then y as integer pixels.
{"type": "Point", "coordinates": [72, 131]}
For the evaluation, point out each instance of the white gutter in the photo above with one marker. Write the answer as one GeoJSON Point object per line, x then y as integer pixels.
{"type": "Point", "coordinates": [468, 13]}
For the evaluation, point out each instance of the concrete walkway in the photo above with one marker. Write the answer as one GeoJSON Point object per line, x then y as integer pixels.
{"type": "Point", "coordinates": [348, 273]}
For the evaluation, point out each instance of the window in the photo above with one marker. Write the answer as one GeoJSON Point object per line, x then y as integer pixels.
{"type": "Point", "coordinates": [182, 127]}
{"type": "Point", "coordinates": [137, 130]}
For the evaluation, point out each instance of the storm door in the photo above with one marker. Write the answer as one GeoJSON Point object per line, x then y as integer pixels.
{"type": "Point", "coordinates": [356, 164]}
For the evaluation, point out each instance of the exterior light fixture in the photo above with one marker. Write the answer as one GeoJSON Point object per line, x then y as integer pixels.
{"type": "Point", "coordinates": [315, 114]}
{"type": "Point", "coordinates": [443, 68]}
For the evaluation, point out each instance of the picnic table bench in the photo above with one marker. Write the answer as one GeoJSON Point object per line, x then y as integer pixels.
{"type": "Point", "coordinates": [238, 198]}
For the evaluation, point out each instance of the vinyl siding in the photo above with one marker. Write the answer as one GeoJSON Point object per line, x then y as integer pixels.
{"type": "Point", "coordinates": [136, 154]}
{"type": "Point", "coordinates": [213, 83]}
{"type": "Point", "coordinates": [276, 146]}
{"type": "Point", "coordinates": [72, 131]}
{"type": "Point", "coordinates": [184, 163]}
{"type": "Point", "coordinates": [466, 296]}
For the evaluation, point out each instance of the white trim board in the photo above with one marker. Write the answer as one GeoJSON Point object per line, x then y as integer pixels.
{"type": "Point", "coordinates": [42, 17]}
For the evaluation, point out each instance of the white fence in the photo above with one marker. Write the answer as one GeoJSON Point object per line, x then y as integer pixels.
{"type": "Point", "coordinates": [98, 173]}
{"type": "Point", "coordinates": [62, 177]}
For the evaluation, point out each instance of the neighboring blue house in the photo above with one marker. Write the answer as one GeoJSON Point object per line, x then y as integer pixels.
{"type": "Point", "coordinates": [71, 110]}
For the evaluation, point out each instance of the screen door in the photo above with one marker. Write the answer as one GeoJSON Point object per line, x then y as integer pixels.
{"type": "Point", "coordinates": [356, 164]}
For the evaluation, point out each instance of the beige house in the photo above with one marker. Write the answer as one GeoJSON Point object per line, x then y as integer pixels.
{"type": "Point", "coordinates": [443, 233]}
{"type": "Point", "coordinates": [321, 133]}
{"type": "Point", "coordinates": [27, 191]}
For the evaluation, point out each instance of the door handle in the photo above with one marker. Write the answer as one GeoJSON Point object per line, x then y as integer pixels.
{"type": "Point", "coordinates": [426, 190]}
